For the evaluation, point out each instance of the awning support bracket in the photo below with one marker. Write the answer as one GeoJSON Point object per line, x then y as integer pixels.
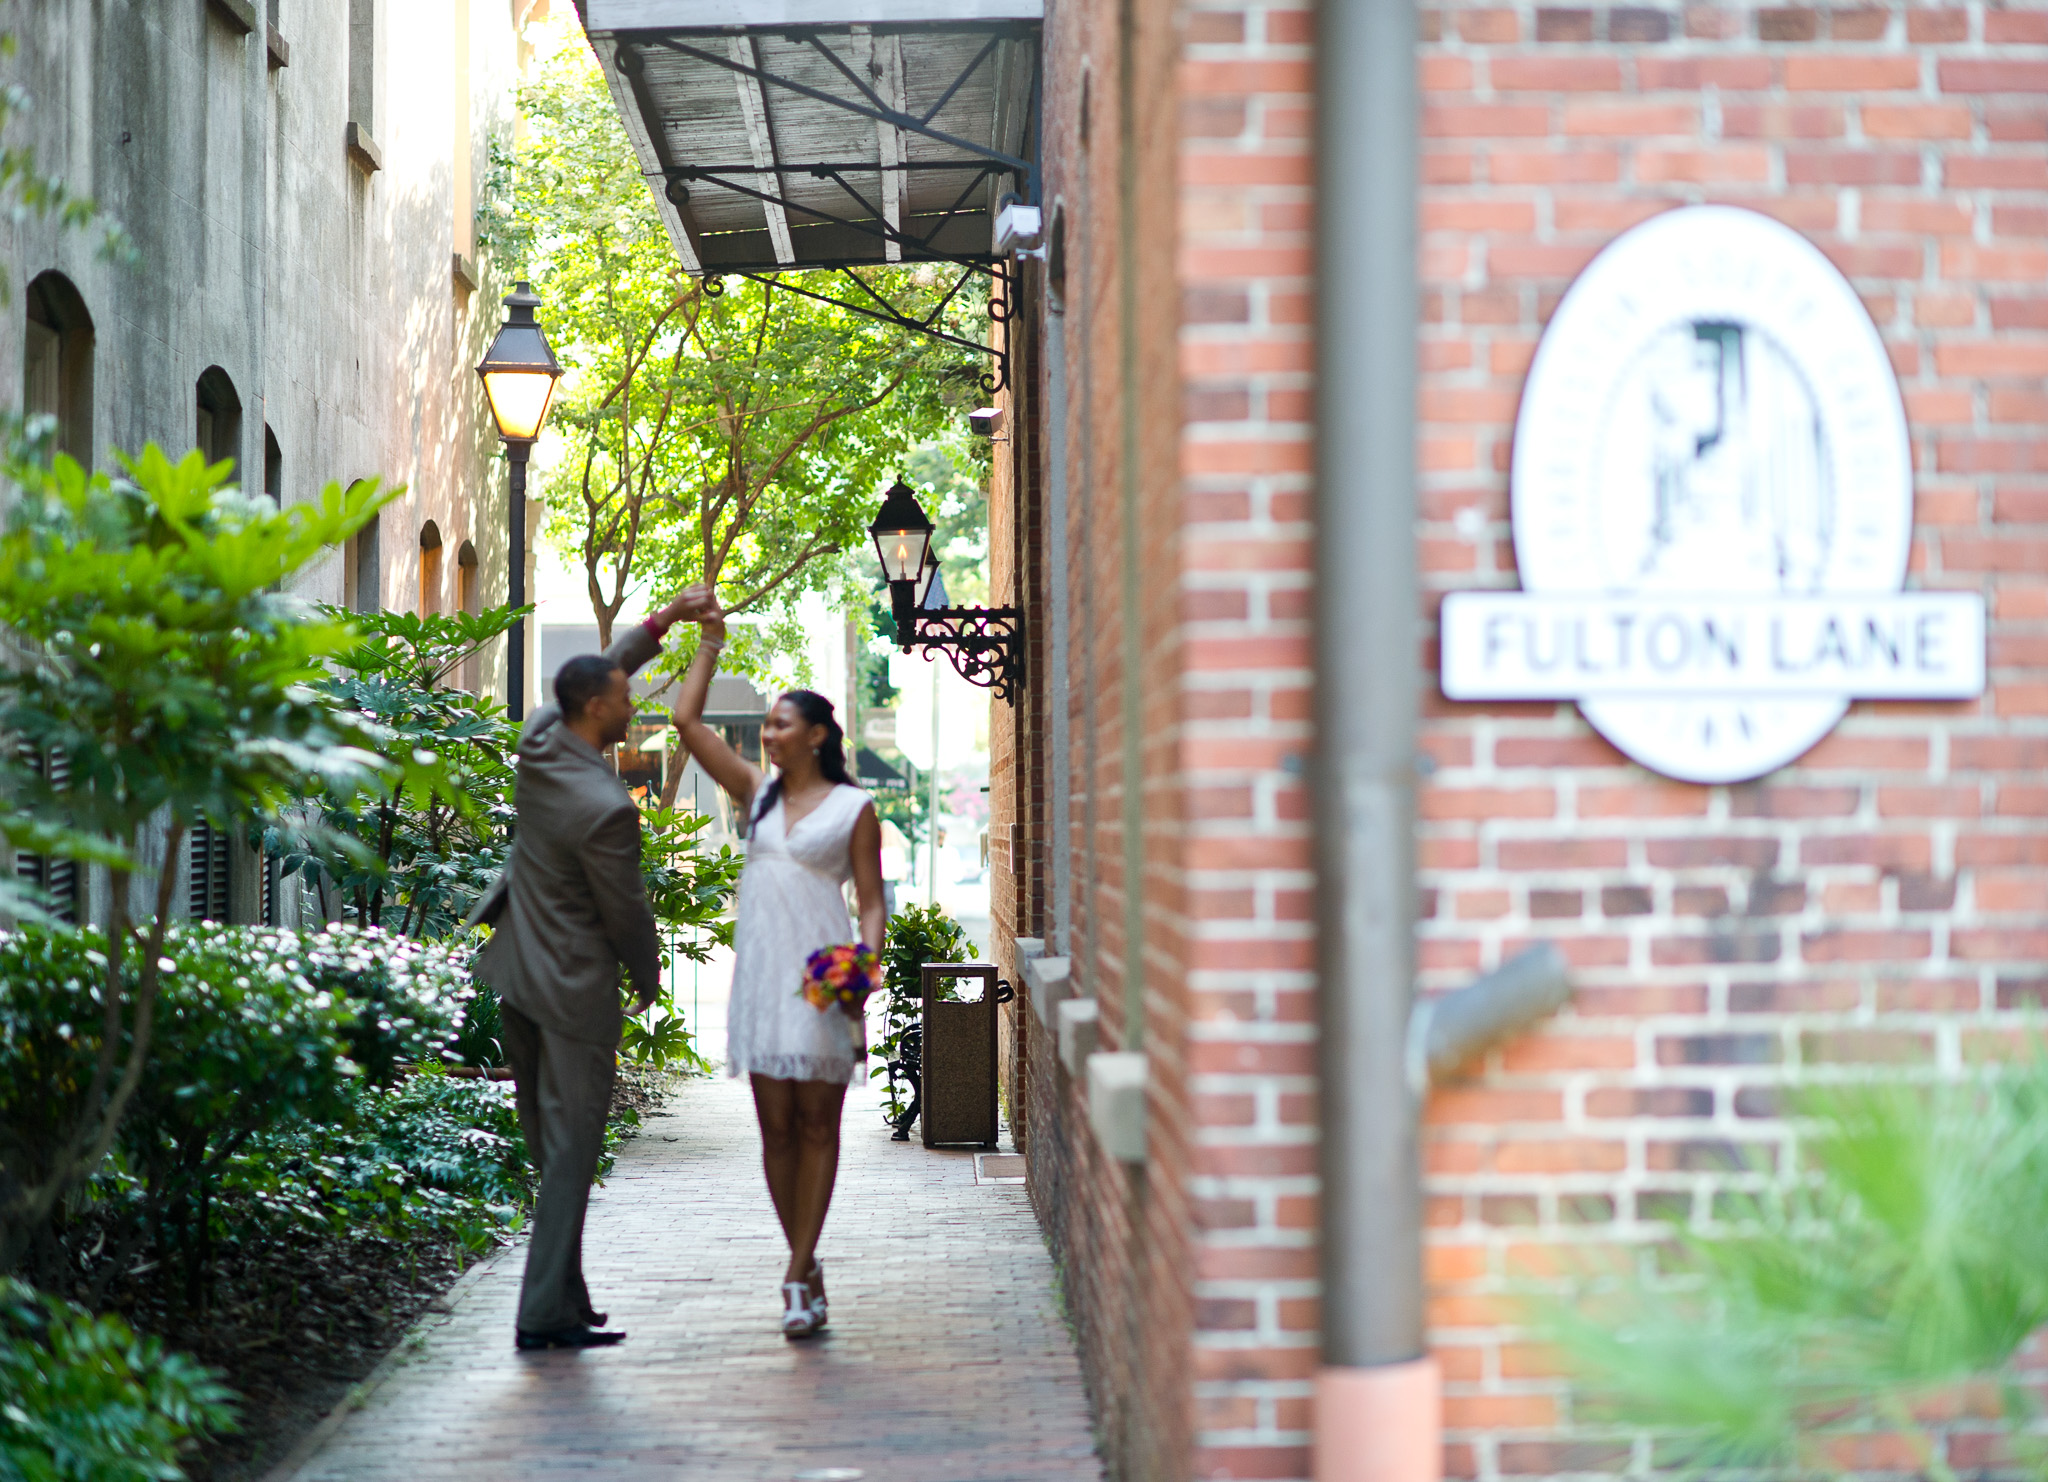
{"type": "Point", "coordinates": [930, 325]}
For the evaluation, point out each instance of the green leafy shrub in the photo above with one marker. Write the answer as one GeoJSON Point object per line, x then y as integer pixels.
{"type": "Point", "coordinates": [408, 999]}
{"type": "Point", "coordinates": [480, 1041]}
{"type": "Point", "coordinates": [661, 1039]}
{"type": "Point", "coordinates": [416, 855]}
{"type": "Point", "coordinates": [82, 1399]}
{"type": "Point", "coordinates": [1907, 1255]}
{"type": "Point", "coordinates": [690, 890]}
{"type": "Point", "coordinates": [917, 935]}
{"type": "Point", "coordinates": [432, 1156]}
{"type": "Point", "coordinates": [158, 659]}
{"type": "Point", "coordinates": [255, 1028]}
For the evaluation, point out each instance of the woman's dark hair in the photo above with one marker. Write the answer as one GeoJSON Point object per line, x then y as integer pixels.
{"type": "Point", "coordinates": [818, 711]}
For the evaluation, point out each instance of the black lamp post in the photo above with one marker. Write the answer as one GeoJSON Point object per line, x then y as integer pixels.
{"type": "Point", "coordinates": [519, 372]}
{"type": "Point", "coordinates": [984, 643]}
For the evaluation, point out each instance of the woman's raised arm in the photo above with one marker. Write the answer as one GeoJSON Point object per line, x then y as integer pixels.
{"type": "Point", "coordinates": [731, 771]}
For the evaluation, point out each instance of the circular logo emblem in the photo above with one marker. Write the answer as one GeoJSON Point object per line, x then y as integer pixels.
{"type": "Point", "coordinates": [1712, 415]}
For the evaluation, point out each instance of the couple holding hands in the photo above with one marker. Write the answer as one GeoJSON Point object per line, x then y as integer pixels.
{"type": "Point", "coordinates": [570, 911]}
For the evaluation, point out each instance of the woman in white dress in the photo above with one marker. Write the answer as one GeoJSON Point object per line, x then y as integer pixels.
{"type": "Point", "coordinates": [809, 830]}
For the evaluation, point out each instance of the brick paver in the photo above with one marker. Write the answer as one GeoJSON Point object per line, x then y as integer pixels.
{"type": "Point", "coordinates": [946, 1359]}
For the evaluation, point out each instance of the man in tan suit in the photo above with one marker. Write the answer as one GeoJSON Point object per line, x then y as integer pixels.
{"type": "Point", "coordinates": [570, 911]}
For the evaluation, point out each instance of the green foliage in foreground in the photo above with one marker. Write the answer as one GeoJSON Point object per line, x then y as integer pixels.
{"type": "Point", "coordinates": [1910, 1257]}
{"type": "Point", "coordinates": [159, 680]}
{"type": "Point", "coordinates": [82, 1399]}
{"type": "Point", "coordinates": [917, 935]}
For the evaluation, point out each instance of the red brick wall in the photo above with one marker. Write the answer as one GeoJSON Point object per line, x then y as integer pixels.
{"type": "Point", "coordinates": [1878, 903]}
{"type": "Point", "coordinates": [1192, 1283]}
{"type": "Point", "coordinates": [1246, 355]}
{"type": "Point", "coordinates": [1122, 1234]}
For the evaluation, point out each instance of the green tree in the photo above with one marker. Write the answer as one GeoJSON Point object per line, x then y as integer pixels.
{"type": "Point", "coordinates": [156, 658]}
{"type": "Point", "coordinates": [728, 431]}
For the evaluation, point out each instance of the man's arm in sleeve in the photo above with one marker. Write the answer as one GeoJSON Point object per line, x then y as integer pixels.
{"type": "Point", "coordinates": [611, 863]}
{"type": "Point", "coordinates": [632, 649]}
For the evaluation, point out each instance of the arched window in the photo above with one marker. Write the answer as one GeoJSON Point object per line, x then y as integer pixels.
{"type": "Point", "coordinates": [220, 416]}
{"type": "Point", "coordinates": [430, 569]}
{"type": "Point", "coordinates": [56, 368]}
{"type": "Point", "coordinates": [470, 601]}
{"type": "Point", "coordinates": [273, 467]}
{"type": "Point", "coordinates": [362, 568]}
{"type": "Point", "coordinates": [56, 382]}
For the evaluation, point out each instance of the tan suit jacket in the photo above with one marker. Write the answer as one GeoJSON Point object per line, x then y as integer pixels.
{"type": "Point", "coordinates": [571, 906]}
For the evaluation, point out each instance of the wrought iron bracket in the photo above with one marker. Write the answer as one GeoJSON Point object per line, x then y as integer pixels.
{"type": "Point", "coordinates": [985, 644]}
{"type": "Point", "coordinates": [931, 325]}
{"type": "Point", "coordinates": [978, 168]}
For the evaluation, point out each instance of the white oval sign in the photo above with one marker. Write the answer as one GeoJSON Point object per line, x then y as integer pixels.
{"type": "Point", "coordinates": [1711, 459]}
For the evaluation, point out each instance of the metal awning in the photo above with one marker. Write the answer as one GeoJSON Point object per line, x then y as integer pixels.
{"type": "Point", "coordinates": [826, 133]}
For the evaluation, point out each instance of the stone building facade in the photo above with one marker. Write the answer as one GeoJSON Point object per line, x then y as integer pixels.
{"type": "Point", "coordinates": [1873, 905]}
{"type": "Point", "coordinates": [298, 180]}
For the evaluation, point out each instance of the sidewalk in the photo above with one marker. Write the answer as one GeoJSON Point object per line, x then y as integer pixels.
{"type": "Point", "coordinates": [946, 1359]}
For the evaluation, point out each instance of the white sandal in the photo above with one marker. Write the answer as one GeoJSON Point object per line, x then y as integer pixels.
{"type": "Point", "coordinates": [819, 1310]}
{"type": "Point", "coordinates": [798, 1318]}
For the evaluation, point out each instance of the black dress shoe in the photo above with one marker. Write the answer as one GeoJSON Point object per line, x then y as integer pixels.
{"type": "Point", "coordinates": [595, 1319]}
{"type": "Point", "coordinates": [569, 1338]}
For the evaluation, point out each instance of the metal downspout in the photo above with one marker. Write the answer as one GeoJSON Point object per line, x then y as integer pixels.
{"type": "Point", "coordinates": [1378, 1406]}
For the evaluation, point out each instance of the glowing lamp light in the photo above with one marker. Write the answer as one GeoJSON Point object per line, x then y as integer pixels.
{"type": "Point", "coordinates": [520, 370]}
{"type": "Point", "coordinates": [903, 536]}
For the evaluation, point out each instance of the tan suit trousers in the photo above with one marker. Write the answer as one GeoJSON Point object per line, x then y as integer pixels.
{"type": "Point", "coordinates": [565, 1093]}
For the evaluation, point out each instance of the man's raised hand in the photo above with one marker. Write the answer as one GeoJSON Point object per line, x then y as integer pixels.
{"type": "Point", "coordinates": [691, 604]}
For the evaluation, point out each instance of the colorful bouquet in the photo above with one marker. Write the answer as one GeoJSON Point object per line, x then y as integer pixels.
{"type": "Point", "coordinates": [843, 975]}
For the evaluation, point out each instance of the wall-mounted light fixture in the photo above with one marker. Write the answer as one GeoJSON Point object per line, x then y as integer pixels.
{"type": "Point", "coordinates": [984, 643]}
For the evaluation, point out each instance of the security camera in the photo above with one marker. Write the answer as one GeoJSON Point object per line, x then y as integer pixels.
{"type": "Point", "coordinates": [985, 421]}
{"type": "Point", "coordinates": [1019, 229]}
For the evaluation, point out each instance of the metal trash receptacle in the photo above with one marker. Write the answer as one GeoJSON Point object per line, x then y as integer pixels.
{"type": "Point", "coordinates": [959, 1058]}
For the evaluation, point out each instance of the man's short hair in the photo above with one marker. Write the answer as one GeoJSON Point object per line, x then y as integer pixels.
{"type": "Point", "coordinates": [581, 680]}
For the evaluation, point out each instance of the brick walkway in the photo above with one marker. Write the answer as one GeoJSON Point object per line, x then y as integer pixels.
{"type": "Point", "coordinates": [946, 1358]}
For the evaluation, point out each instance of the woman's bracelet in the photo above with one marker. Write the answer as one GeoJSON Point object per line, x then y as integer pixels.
{"type": "Point", "coordinates": [710, 645]}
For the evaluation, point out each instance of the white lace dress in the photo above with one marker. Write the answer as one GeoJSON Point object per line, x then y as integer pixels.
{"type": "Point", "coordinates": [792, 902]}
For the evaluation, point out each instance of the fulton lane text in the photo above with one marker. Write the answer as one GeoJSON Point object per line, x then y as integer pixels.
{"type": "Point", "coordinates": [1529, 646]}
